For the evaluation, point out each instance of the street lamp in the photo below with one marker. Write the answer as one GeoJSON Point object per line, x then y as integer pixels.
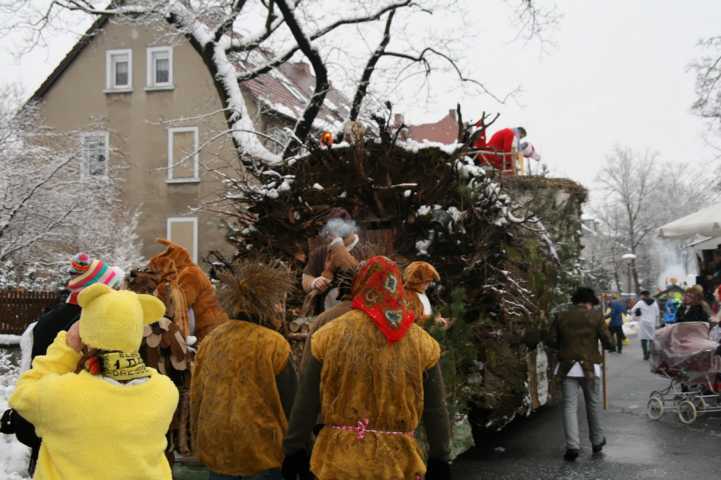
{"type": "Point", "coordinates": [629, 258]}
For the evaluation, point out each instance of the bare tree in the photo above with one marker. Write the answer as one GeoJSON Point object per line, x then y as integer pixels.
{"type": "Point", "coordinates": [629, 181]}
{"type": "Point", "coordinates": [49, 206]}
{"type": "Point", "coordinates": [708, 81]}
{"type": "Point", "coordinates": [282, 30]}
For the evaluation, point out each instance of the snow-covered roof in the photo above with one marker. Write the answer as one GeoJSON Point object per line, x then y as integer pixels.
{"type": "Point", "coordinates": [286, 91]}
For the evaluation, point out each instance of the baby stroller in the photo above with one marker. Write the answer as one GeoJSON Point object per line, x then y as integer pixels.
{"type": "Point", "coordinates": [685, 355]}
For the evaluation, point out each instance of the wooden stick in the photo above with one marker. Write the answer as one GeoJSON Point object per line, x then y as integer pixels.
{"type": "Point", "coordinates": [605, 382]}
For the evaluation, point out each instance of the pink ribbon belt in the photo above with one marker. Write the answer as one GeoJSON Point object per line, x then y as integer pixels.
{"type": "Point", "coordinates": [361, 428]}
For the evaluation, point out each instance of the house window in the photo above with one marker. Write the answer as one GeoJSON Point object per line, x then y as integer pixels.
{"type": "Point", "coordinates": [119, 70]}
{"type": "Point", "coordinates": [160, 67]}
{"type": "Point", "coordinates": [95, 149]}
{"type": "Point", "coordinates": [184, 231]}
{"type": "Point", "coordinates": [183, 155]}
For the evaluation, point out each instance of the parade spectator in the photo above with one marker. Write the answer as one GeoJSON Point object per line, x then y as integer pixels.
{"type": "Point", "coordinates": [647, 313]}
{"type": "Point", "coordinates": [83, 272]}
{"type": "Point", "coordinates": [380, 376]}
{"type": "Point", "coordinates": [693, 309]}
{"type": "Point", "coordinates": [617, 311]}
{"type": "Point", "coordinates": [101, 413]}
{"type": "Point", "coordinates": [244, 383]}
{"type": "Point", "coordinates": [575, 334]}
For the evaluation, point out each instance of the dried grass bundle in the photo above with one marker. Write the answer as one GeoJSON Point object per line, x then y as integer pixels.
{"type": "Point", "coordinates": [253, 290]}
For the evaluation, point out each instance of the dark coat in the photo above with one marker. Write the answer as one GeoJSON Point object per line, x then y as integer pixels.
{"type": "Point", "coordinates": [575, 334]}
{"type": "Point", "coordinates": [56, 319]}
{"type": "Point", "coordinates": [692, 313]}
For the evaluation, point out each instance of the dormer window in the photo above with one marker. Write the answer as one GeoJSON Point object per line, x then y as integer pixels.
{"type": "Point", "coordinates": [160, 68]}
{"type": "Point", "coordinates": [119, 70]}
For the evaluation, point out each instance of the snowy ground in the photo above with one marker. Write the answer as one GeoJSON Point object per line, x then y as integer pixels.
{"type": "Point", "coordinates": [13, 455]}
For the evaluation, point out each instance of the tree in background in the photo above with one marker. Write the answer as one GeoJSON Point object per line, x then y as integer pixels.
{"type": "Point", "coordinates": [240, 40]}
{"type": "Point", "coordinates": [638, 193]}
{"type": "Point", "coordinates": [49, 208]}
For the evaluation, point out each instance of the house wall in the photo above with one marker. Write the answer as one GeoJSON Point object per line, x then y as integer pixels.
{"type": "Point", "coordinates": [138, 128]}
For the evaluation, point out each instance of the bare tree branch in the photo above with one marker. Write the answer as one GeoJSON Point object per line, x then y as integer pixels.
{"type": "Point", "coordinates": [362, 88]}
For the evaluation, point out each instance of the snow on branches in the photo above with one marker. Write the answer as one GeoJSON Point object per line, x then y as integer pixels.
{"type": "Point", "coordinates": [51, 205]}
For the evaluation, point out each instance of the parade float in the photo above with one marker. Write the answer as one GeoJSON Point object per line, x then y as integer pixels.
{"type": "Point", "coordinates": [507, 249]}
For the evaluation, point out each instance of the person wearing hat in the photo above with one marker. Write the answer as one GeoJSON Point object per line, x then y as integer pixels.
{"type": "Point", "coordinates": [372, 376]}
{"type": "Point", "coordinates": [575, 332]}
{"type": "Point", "coordinates": [100, 412]}
{"type": "Point", "coordinates": [243, 382]}
{"type": "Point", "coordinates": [83, 271]}
{"type": "Point", "coordinates": [417, 277]}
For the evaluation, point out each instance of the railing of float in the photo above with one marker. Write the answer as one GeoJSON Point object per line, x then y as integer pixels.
{"type": "Point", "coordinates": [514, 163]}
{"type": "Point", "coordinates": [19, 308]}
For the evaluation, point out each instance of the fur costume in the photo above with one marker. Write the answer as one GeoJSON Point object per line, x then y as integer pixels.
{"type": "Point", "coordinates": [193, 282]}
{"type": "Point", "coordinates": [165, 346]}
{"type": "Point", "coordinates": [243, 382]}
{"type": "Point", "coordinates": [414, 276]}
{"type": "Point", "coordinates": [94, 426]}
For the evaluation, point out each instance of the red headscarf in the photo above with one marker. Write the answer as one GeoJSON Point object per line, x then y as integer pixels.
{"type": "Point", "coordinates": [378, 289]}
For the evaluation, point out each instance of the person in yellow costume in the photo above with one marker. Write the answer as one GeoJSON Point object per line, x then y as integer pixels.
{"type": "Point", "coordinates": [373, 375]}
{"type": "Point", "coordinates": [244, 383]}
{"type": "Point", "coordinates": [101, 413]}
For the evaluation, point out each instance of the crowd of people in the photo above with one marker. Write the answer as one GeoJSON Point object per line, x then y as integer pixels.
{"type": "Point", "coordinates": [94, 403]}
{"type": "Point", "coordinates": [110, 390]}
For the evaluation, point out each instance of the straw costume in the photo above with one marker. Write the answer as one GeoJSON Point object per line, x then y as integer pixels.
{"type": "Point", "coordinates": [373, 375]}
{"type": "Point", "coordinates": [100, 412]}
{"type": "Point", "coordinates": [243, 382]}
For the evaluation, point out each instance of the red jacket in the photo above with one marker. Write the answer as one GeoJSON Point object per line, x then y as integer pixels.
{"type": "Point", "coordinates": [501, 141]}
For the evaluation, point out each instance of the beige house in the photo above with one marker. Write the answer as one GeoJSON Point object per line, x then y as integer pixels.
{"type": "Point", "coordinates": [142, 106]}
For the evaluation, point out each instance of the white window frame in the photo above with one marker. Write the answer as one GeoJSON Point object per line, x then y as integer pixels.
{"type": "Point", "coordinates": [194, 220]}
{"type": "Point", "coordinates": [110, 86]}
{"type": "Point", "coordinates": [85, 167]}
{"type": "Point", "coordinates": [196, 155]}
{"type": "Point", "coordinates": [151, 82]}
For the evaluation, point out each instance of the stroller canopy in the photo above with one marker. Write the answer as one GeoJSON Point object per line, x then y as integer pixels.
{"type": "Point", "coordinates": [685, 350]}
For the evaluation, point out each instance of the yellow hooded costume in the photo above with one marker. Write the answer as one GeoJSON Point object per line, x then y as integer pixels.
{"type": "Point", "coordinates": [92, 426]}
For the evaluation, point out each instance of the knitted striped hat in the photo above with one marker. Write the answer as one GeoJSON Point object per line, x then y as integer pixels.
{"type": "Point", "coordinates": [97, 272]}
{"type": "Point", "coordinates": [79, 264]}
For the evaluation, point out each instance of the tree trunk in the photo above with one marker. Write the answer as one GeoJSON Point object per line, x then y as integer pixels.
{"type": "Point", "coordinates": [634, 272]}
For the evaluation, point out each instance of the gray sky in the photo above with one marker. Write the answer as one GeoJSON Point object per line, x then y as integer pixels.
{"type": "Point", "coordinates": [616, 73]}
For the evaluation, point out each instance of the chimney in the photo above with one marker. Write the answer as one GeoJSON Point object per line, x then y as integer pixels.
{"type": "Point", "coordinates": [452, 113]}
{"type": "Point", "coordinates": [398, 120]}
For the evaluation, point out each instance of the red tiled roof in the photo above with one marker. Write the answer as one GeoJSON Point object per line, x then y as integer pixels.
{"type": "Point", "coordinates": [443, 131]}
{"type": "Point", "coordinates": [286, 90]}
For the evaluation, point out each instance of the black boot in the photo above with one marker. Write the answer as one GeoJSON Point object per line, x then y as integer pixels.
{"type": "Point", "coordinates": [571, 455]}
{"type": "Point", "coordinates": [598, 448]}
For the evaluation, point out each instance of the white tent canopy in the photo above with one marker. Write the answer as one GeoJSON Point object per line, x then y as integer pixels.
{"type": "Point", "coordinates": [704, 222]}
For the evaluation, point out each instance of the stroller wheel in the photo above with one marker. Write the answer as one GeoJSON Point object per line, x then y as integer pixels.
{"type": "Point", "coordinates": [656, 394]}
{"type": "Point", "coordinates": [687, 412]}
{"type": "Point", "coordinates": [654, 407]}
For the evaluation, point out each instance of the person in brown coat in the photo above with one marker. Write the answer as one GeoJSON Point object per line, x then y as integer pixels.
{"type": "Point", "coordinates": [243, 382]}
{"type": "Point", "coordinates": [575, 333]}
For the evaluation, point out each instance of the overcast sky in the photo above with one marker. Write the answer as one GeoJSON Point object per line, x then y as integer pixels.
{"type": "Point", "coordinates": [616, 72]}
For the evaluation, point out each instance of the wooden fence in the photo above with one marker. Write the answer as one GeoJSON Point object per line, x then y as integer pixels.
{"type": "Point", "coordinates": [19, 308]}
